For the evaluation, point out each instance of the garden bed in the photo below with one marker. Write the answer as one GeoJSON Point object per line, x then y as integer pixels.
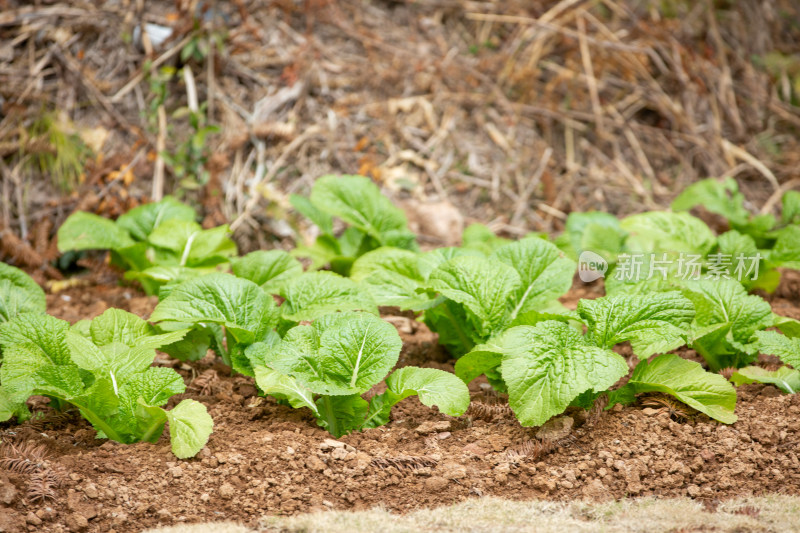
{"type": "Point", "coordinates": [266, 458]}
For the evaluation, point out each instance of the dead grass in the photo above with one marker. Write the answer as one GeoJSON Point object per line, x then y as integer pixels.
{"type": "Point", "coordinates": [518, 111]}
{"type": "Point", "coordinates": [761, 514]}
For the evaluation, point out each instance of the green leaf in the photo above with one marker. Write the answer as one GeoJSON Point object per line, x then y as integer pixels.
{"type": "Point", "coordinates": [481, 239]}
{"type": "Point", "coordinates": [116, 325]}
{"type": "Point", "coordinates": [190, 426]}
{"type": "Point", "coordinates": [543, 271]}
{"type": "Point", "coordinates": [392, 277]}
{"type": "Point", "coordinates": [19, 293]}
{"type": "Point", "coordinates": [18, 373]}
{"type": "Point", "coordinates": [315, 294]}
{"type": "Point", "coordinates": [321, 219]}
{"type": "Point", "coordinates": [458, 329]}
{"type": "Point", "coordinates": [141, 221]}
{"type": "Point", "coordinates": [192, 245]}
{"type": "Point", "coordinates": [785, 378]}
{"type": "Point", "coordinates": [592, 231]}
{"type": "Point", "coordinates": [430, 261]}
{"type": "Point", "coordinates": [340, 354]}
{"type": "Point", "coordinates": [341, 414]}
{"type": "Point", "coordinates": [482, 359]}
{"type": "Point", "coordinates": [548, 365]}
{"type": "Point", "coordinates": [483, 286]}
{"type": "Point", "coordinates": [432, 386]}
{"type": "Point", "coordinates": [44, 332]}
{"type": "Point", "coordinates": [154, 386]}
{"type": "Point", "coordinates": [359, 202]}
{"type": "Point", "coordinates": [720, 197]}
{"type": "Point", "coordinates": [785, 348]}
{"type": "Point", "coordinates": [653, 323]}
{"type": "Point", "coordinates": [238, 304]}
{"type": "Point", "coordinates": [283, 387]}
{"type": "Point", "coordinates": [688, 382]}
{"type": "Point", "coordinates": [115, 360]}
{"type": "Point", "coordinates": [790, 212]}
{"type": "Point", "coordinates": [786, 250]}
{"type": "Point", "coordinates": [659, 231]}
{"type": "Point", "coordinates": [269, 269]}
{"type": "Point", "coordinates": [86, 231]}
{"type": "Point", "coordinates": [725, 321]}
{"type": "Point", "coordinates": [10, 408]}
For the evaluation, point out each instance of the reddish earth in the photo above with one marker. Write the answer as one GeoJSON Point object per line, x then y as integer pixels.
{"type": "Point", "coordinates": [265, 458]}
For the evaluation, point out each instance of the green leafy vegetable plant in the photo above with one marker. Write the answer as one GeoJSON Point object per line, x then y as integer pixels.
{"type": "Point", "coordinates": [103, 368]}
{"type": "Point", "coordinates": [549, 366]}
{"type": "Point", "coordinates": [777, 241]}
{"type": "Point", "coordinates": [237, 312]}
{"type": "Point", "coordinates": [19, 293]}
{"type": "Point", "coordinates": [727, 322]}
{"type": "Point", "coordinates": [327, 366]}
{"type": "Point", "coordinates": [371, 219]}
{"type": "Point", "coordinates": [156, 243]}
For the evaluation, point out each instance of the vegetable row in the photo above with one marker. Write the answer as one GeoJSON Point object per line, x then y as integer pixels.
{"type": "Point", "coordinates": [494, 304]}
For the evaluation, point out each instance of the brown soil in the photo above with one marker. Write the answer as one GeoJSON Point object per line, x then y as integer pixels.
{"type": "Point", "coordinates": [265, 458]}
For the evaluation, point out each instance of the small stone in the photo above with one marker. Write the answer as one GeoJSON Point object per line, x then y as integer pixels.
{"type": "Point", "coordinates": [8, 492]}
{"type": "Point", "coordinates": [339, 454]}
{"type": "Point", "coordinates": [444, 435]}
{"type": "Point", "coordinates": [693, 491]}
{"type": "Point", "coordinates": [436, 483]}
{"type": "Point", "coordinates": [706, 454]}
{"type": "Point", "coordinates": [33, 520]}
{"type": "Point", "coordinates": [455, 472]}
{"type": "Point", "coordinates": [205, 497]}
{"type": "Point", "coordinates": [176, 471]}
{"type": "Point", "coordinates": [432, 427]}
{"type": "Point", "coordinates": [315, 463]}
{"type": "Point", "coordinates": [226, 491]}
{"type": "Point", "coordinates": [164, 514]}
{"type": "Point", "coordinates": [649, 411]}
{"type": "Point", "coordinates": [556, 429]}
{"type": "Point", "coordinates": [77, 522]}
{"type": "Point", "coordinates": [91, 491]}
{"type": "Point", "coordinates": [330, 444]}
{"type": "Point", "coordinates": [595, 490]}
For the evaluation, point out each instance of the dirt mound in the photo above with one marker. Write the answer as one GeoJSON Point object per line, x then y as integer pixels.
{"type": "Point", "coordinates": [265, 458]}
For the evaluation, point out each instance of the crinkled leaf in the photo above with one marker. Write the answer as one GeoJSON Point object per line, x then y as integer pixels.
{"type": "Point", "coordinates": [116, 325]}
{"type": "Point", "coordinates": [653, 323]}
{"type": "Point", "coordinates": [87, 231]}
{"type": "Point", "coordinates": [45, 332]}
{"type": "Point", "coordinates": [785, 348]}
{"type": "Point", "coordinates": [341, 354]}
{"type": "Point", "coordinates": [238, 304]}
{"type": "Point", "coordinates": [18, 373]}
{"type": "Point", "coordinates": [660, 231]}
{"type": "Point", "coordinates": [393, 278]}
{"type": "Point", "coordinates": [484, 286]}
{"type": "Point", "coordinates": [592, 231]}
{"type": "Point", "coordinates": [283, 387]}
{"type": "Point", "coordinates": [688, 382]}
{"type": "Point", "coordinates": [432, 386]}
{"type": "Point", "coordinates": [430, 261]}
{"type": "Point", "coordinates": [116, 359]}
{"type": "Point", "coordinates": [141, 221]}
{"type": "Point", "coordinates": [359, 202]}
{"type": "Point", "coordinates": [786, 250]}
{"type": "Point", "coordinates": [19, 293]}
{"type": "Point", "coordinates": [318, 293]}
{"type": "Point", "coordinates": [155, 386]}
{"type": "Point", "coordinates": [190, 426]}
{"type": "Point", "coordinates": [790, 212]}
{"type": "Point", "coordinates": [458, 329]}
{"type": "Point", "coordinates": [269, 269]}
{"type": "Point", "coordinates": [11, 408]}
{"type": "Point", "coordinates": [548, 365]}
{"type": "Point", "coordinates": [726, 301]}
{"type": "Point", "coordinates": [545, 274]}
{"type": "Point", "coordinates": [785, 378]}
{"type": "Point", "coordinates": [193, 245]}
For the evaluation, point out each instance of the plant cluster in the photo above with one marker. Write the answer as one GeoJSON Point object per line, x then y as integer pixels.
{"type": "Point", "coordinates": [314, 339]}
